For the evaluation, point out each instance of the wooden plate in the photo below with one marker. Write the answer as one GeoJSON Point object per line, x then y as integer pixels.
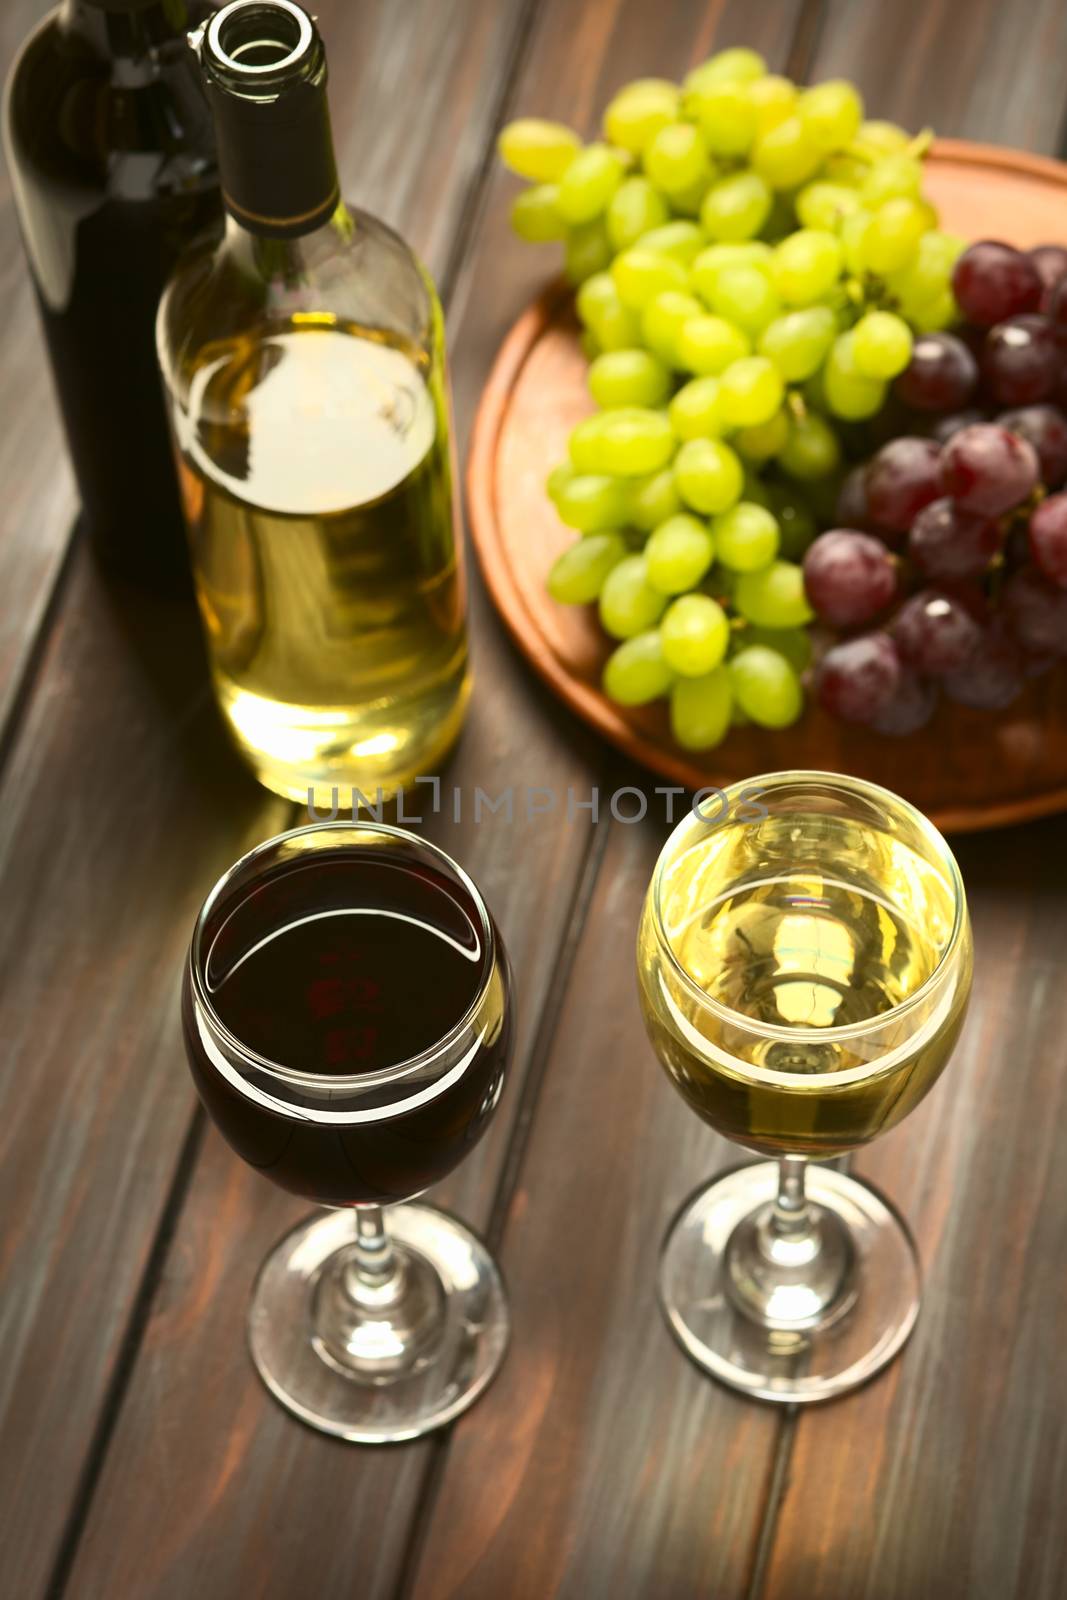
{"type": "Point", "coordinates": [967, 769]}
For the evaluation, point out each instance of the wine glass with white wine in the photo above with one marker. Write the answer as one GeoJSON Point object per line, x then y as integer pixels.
{"type": "Point", "coordinates": [804, 964]}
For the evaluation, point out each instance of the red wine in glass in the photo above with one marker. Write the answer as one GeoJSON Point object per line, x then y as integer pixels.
{"type": "Point", "coordinates": [347, 1018]}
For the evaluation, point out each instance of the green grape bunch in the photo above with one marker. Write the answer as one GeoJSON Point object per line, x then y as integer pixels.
{"type": "Point", "coordinates": [752, 260]}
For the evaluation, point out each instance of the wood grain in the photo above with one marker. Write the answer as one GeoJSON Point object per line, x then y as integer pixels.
{"type": "Point", "coordinates": [945, 1480]}
{"type": "Point", "coordinates": [119, 805]}
{"type": "Point", "coordinates": [602, 1463]}
{"type": "Point", "coordinates": [948, 1476]}
{"type": "Point", "coordinates": [196, 1432]}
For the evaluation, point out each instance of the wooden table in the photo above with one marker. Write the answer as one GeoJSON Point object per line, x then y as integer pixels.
{"type": "Point", "coordinates": [141, 1457]}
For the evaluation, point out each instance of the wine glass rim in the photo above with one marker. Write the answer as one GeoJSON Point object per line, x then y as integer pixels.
{"type": "Point", "coordinates": [396, 1071]}
{"type": "Point", "coordinates": [836, 1033]}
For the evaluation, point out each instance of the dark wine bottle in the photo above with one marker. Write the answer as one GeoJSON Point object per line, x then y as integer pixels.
{"type": "Point", "coordinates": [111, 150]}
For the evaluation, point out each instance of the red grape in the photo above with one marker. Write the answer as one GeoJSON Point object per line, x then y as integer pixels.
{"type": "Point", "coordinates": [948, 542]}
{"type": "Point", "coordinates": [911, 707]}
{"type": "Point", "coordinates": [993, 281]}
{"type": "Point", "coordinates": [1037, 612]}
{"type": "Point", "coordinates": [934, 632]}
{"type": "Point", "coordinates": [849, 577]}
{"type": "Point", "coordinates": [1051, 263]}
{"type": "Point", "coordinates": [1048, 538]}
{"type": "Point", "coordinates": [852, 510]}
{"type": "Point", "coordinates": [1056, 306]}
{"type": "Point", "coordinates": [943, 428]}
{"type": "Point", "coordinates": [1020, 360]}
{"type": "Point", "coordinates": [993, 676]}
{"type": "Point", "coordinates": [1046, 429]}
{"type": "Point", "coordinates": [988, 470]}
{"type": "Point", "coordinates": [858, 678]}
{"type": "Point", "coordinates": [903, 477]}
{"type": "Point", "coordinates": [941, 375]}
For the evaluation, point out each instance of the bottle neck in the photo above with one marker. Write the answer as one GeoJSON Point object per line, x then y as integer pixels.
{"type": "Point", "coordinates": [287, 260]}
{"type": "Point", "coordinates": [265, 70]}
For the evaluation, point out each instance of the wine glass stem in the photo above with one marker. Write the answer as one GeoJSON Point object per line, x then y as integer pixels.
{"type": "Point", "coordinates": [791, 1217]}
{"type": "Point", "coordinates": [372, 1268]}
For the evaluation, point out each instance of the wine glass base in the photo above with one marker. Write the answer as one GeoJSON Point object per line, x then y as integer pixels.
{"type": "Point", "coordinates": [445, 1379]}
{"type": "Point", "coordinates": [858, 1336]}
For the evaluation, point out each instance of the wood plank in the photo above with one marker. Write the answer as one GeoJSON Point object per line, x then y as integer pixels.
{"type": "Point", "coordinates": [947, 1476]}
{"type": "Point", "coordinates": [119, 805]}
{"type": "Point", "coordinates": [602, 1462]}
{"type": "Point", "coordinates": [993, 72]}
{"type": "Point", "coordinates": [196, 1432]}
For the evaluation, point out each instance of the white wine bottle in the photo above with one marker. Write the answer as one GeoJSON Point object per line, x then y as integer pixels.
{"type": "Point", "coordinates": [305, 363]}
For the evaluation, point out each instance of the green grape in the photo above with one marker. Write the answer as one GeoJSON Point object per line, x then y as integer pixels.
{"type": "Point", "coordinates": [853, 234]}
{"type": "Point", "coordinates": [578, 575]}
{"type": "Point", "coordinates": [676, 159]}
{"type": "Point", "coordinates": [663, 319]}
{"type": "Point", "coordinates": [589, 183]}
{"type": "Point", "coordinates": [766, 687]}
{"type": "Point", "coordinates": [628, 378]}
{"type": "Point", "coordinates": [694, 411]}
{"type": "Point", "coordinates": [883, 138]}
{"type": "Point", "coordinates": [751, 391]}
{"type": "Point", "coordinates": [687, 202]}
{"type": "Point", "coordinates": [826, 205]}
{"type": "Point", "coordinates": [612, 324]}
{"type": "Point", "coordinates": [798, 342]}
{"type": "Point", "coordinates": [535, 214]}
{"type": "Point", "coordinates": [700, 709]}
{"type": "Point", "coordinates": [792, 643]}
{"type": "Point", "coordinates": [726, 117]}
{"type": "Point", "coordinates": [537, 150]}
{"type": "Point", "coordinates": [784, 156]}
{"type": "Point", "coordinates": [634, 208]}
{"type": "Point", "coordinates": [764, 440]}
{"type": "Point", "coordinates": [679, 553]}
{"type": "Point", "coordinates": [628, 604]}
{"type": "Point", "coordinates": [892, 239]}
{"type": "Point", "coordinates": [897, 178]}
{"type": "Point", "coordinates": [754, 490]}
{"type": "Point", "coordinates": [929, 276]}
{"type": "Point", "coordinates": [559, 478]}
{"type": "Point", "coordinates": [653, 500]}
{"type": "Point", "coordinates": [639, 111]}
{"type": "Point", "coordinates": [746, 537]}
{"type": "Point", "coordinates": [849, 393]}
{"type": "Point", "coordinates": [813, 449]}
{"type": "Point", "coordinates": [773, 597]}
{"type": "Point", "coordinates": [681, 240]}
{"type": "Point", "coordinates": [592, 502]}
{"type": "Point", "coordinates": [806, 266]}
{"type": "Point", "coordinates": [637, 671]}
{"type": "Point", "coordinates": [695, 634]}
{"type": "Point", "coordinates": [591, 346]}
{"type": "Point", "coordinates": [745, 296]}
{"type": "Point", "coordinates": [704, 273]}
{"type": "Point", "coordinates": [881, 345]}
{"type": "Point", "coordinates": [796, 525]}
{"type": "Point", "coordinates": [831, 114]}
{"type": "Point", "coordinates": [774, 98]}
{"type": "Point", "coordinates": [707, 345]}
{"type": "Point", "coordinates": [587, 251]}
{"type": "Point", "coordinates": [708, 475]}
{"type": "Point", "coordinates": [640, 274]}
{"type": "Point", "coordinates": [736, 207]}
{"type": "Point", "coordinates": [630, 441]}
{"type": "Point", "coordinates": [847, 168]}
{"type": "Point", "coordinates": [933, 315]}
{"type": "Point", "coordinates": [736, 65]}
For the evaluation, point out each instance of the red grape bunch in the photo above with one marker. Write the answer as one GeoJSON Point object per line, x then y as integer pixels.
{"type": "Point", "coordinates": [949, 574]}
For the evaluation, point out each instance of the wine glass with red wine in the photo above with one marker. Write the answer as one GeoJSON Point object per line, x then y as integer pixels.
{"type": "Point", "coordinates": [347, 1017]}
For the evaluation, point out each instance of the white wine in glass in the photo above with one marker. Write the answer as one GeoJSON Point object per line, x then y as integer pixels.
{"type": "Point", "coordinates": [804, 963]}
